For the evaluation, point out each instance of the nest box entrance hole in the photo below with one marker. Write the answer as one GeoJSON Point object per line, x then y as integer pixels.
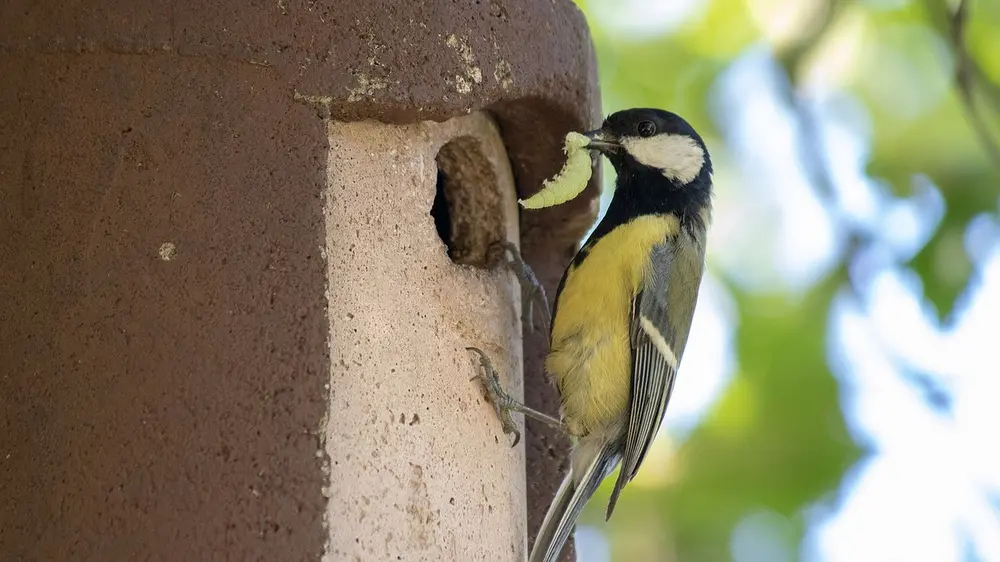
{"type": "Point", "coordinates": [467, 208]}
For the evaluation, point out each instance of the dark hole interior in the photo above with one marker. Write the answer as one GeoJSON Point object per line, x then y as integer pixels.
{"type": "Point", "coordinates": [441, 214]}
{"type": "Point", "coordinates": [467, 209]}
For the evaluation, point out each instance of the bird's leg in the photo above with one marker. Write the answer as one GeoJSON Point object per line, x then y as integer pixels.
{"type": "Point", "coordinates": [532, 292]}
{"type": "Point", "coordinates": [505, 403]}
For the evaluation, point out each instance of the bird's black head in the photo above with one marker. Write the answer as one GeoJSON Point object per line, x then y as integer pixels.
{"type": "Point", "coordinates": [643, 140]}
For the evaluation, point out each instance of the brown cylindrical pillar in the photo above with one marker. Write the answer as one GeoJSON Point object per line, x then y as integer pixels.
{"type": "Point", "coordinates": [232, 318]}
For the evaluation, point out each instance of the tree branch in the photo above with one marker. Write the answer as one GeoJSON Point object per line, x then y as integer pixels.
{"type": "Point", "coordinates": [811, 155]}
{"type": "Point", "coordinates": [967, 75]}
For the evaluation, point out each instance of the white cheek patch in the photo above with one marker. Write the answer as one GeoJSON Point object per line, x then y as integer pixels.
{"type": "Point", "coordinates": [678, 156]}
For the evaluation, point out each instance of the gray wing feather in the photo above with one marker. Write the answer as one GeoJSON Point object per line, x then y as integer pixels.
{"type": "Point", "coordinates": [653, 374]}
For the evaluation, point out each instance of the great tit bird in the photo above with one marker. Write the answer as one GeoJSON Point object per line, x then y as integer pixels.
{"type": "Point", "coordinates": [623, 311]}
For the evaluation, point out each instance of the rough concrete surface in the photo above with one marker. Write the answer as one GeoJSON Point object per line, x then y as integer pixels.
{"type": "Point", "coordinates": [163, 326]}
{"type": "Point", "coordinates": [404, 482]}
{"type": "Point", "coordinates": [163, 323]}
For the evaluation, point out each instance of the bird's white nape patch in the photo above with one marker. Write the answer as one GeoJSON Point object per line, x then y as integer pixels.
{"type": "Point", "coordinates": [678, 157]}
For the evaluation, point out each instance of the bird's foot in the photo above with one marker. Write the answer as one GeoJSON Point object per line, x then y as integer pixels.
{"type": "Point", "coordinates": [496, 394]}
{"type": "Point", "coordinates": [504, 402]}
{"type": "Point", "coordinates": [532, 292]}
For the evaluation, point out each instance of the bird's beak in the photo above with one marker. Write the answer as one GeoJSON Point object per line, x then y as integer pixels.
{"type": "Point", "coordinates": [602, 141]}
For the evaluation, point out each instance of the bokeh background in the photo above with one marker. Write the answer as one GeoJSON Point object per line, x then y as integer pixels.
{"type": "Point", "coordinates": [839, 400]}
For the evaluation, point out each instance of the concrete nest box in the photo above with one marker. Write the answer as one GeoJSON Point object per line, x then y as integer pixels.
{"type": "Point", "coordinates": [246, 249]}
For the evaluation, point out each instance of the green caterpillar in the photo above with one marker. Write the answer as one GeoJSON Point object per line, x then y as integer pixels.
{"type": "Point", "coordinates": [570, 181]}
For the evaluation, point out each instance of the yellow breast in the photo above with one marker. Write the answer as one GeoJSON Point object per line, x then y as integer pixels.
{"type": "Point", "coordinates": [590, 356]}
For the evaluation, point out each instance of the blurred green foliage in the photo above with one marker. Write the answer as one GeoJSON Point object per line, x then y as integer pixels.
{"type": "Point", "coordinates": [776, 439]}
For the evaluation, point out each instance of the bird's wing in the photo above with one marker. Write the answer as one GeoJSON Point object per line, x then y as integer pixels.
{"type": "Point", "coordinates": [654, 364]}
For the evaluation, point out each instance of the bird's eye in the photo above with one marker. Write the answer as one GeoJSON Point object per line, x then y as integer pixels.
{"type": "Point", "coordinates": [646, 128]}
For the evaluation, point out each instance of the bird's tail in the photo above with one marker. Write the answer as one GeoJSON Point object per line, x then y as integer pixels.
{"type": "Point", "coordinates": [569, 500]}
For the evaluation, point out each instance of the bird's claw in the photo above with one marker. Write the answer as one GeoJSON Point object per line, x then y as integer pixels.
{"type": "Point", "coordinates": [496, 394]}
{"type": "Point", "coordinates": [532, 291]}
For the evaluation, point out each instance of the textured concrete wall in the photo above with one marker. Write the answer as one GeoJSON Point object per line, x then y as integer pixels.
{"type": "Point", "coordinates": [420, 467]}
{"type": "Point", "coordinates": [164, 325]}
{"type": "Point", "coordinates": [163, 332]}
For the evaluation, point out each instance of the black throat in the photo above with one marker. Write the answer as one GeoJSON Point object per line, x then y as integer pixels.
{"type": "Point", "coordinates": [641, 190]}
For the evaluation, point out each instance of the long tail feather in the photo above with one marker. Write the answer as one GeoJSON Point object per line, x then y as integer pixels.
{"type": "Point", "coordinates": [552, 517]}
{"type": "Point", "coordinates": [565, 508]}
